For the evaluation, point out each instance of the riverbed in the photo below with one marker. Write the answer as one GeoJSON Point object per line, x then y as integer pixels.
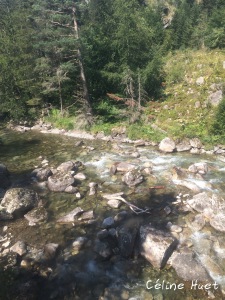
{"type": "Point", "coordinates": [96, 277]}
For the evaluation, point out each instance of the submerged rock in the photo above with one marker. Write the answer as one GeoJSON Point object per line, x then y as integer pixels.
{"type": "Point", "coordinates": [156, 245]}
{"type": "Point", "coordinates": [93, 188]}
{"type": "Point", "coordinates": [18, 201]}
{"type": "Point", "coordinates": [188, 184]}
{"type": "Point", "coordinates": [70, 217]}
{"type": "Point", "coordinates": [36, 215]}
{"type": "Point", "coordinates": [41, 174]}
{"type": "Point", "coordinates": [60, 181]}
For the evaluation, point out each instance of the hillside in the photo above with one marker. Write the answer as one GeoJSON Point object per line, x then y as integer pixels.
{"type": "Point", "coordinates": [193, 87]}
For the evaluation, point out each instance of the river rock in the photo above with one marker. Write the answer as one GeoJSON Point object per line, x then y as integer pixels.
{"type": "Point", "coordinates": [132, 178]}
{"type": "Point", "coordinates": [178, 173]}
{"type": "Point", "coordinates": [114, 203]}
{"type": "Point", "coordinates": [70, 217]}
{"type": "Point", "coordinates": [187, 267]}
{"type": "Point", "coordinates": [217, 221]}
{"type": "Point", "coordinates": [167, 145]}
{"type": "Point", "coordinates": [200, 202]}
{"type": "Point", "coordinates": [201, 168]}
{"type": "Point", "coordinates": [4, 177]}
{"type": "Point", "coordinates": [124, 167]}
{"type": "Point", "coordinates": [71, 189]}
{"type": "Point", "coordinates": [213, 269]}
{"type": "Point", "coordinates": [196, 143]}
{"type": "Point", "coordinates": [60, 181]}
{"type": "Point", "coordinates": [18, 201]}
{"type": "Point", "coordinates": [19, 247]}
{"type": "Point", "coordinates": [198, 223]}
{"type": "Point", "coordinates": [36, 215]}
{"type": "Point", "coordinates": [103, 249]}
{"type": "Point", "coordinates": [41, 174]}
{"type": "Point", "coordinates": [174, 228]}
{"type": "Point", "coordinates": [86, 215]}
{"type": "Point", "coordinates": [126, 236]}
{"type": "Point", "coordinates": [156, 245]}
{"type": "Point", "coordinates": [188, 184]}
{"type": "Point", "coordinates": [79, 243]}
{"type": "Point", "coordinates": [184, 145]}
{"type": "Point", "coordinates": [67, 167]}
{"type": "Point", "coordinates": [80, 176]}
{"type": "Point", "coordinates": [50, 250]}
{"type": "Point", "coordinates": [93, 188]}
{"type": "Point", "coordinates": [108, 222]}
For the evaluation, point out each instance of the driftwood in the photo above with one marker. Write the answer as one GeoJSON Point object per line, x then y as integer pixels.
{"type": "Point", "coordinates": [118, 196]}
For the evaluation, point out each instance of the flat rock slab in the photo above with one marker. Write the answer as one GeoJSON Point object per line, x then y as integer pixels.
{"type": "Point", "coordinates": [188, 268]}
{"type": "Point", "coordinates": [70, 217]}
{"type": "Point", "coordinates": [156, 245]}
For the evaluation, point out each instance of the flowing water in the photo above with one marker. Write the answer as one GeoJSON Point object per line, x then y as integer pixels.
{"type": "Point", "coordinates": [23, 152]}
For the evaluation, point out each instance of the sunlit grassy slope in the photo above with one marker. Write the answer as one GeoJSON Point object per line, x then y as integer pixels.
{"type": "Point", "coordinates": [190, 77]}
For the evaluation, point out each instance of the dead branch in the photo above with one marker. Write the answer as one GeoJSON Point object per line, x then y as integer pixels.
{"type": "Point", "coordinates": [137, 210]}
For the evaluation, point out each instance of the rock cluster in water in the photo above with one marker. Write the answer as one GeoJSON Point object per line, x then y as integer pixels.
{"type": "Point", "coordinates": [190, 246]}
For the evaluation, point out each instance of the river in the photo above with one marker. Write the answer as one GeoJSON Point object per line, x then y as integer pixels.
{"type": "Point", "coordinates": [96, 277]}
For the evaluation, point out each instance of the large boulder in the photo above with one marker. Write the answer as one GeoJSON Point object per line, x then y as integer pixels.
{"type": "Point", "coordinates": [4, 177]}
{"type": "Point", "coordinates": [156, 245]}
{"type": "Point", "coordinates": [58, 182]}
{"type": "Point", "coordinates": [184, 145]}
{"type": "Point", "coordinates": [18, 201]}
{"type": "Point", "coordinates": [187, 267]}
{"type": "Point", "coordinates": [167, 145]}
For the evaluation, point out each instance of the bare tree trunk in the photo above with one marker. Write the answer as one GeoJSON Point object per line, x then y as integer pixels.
{"type": "Point", "coordinates": [139, 91]}
{"type": "Point", "coordinates": [60, 96]}
{"type": "Point", "coordinates": [86, 100]}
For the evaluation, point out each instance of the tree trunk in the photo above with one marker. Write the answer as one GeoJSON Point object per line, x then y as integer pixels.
{"type": "Point", "coordinates": [86, 100]}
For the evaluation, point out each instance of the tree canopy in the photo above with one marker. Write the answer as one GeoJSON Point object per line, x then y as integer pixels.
{"type": "Point", "coordinates": [73, 53]}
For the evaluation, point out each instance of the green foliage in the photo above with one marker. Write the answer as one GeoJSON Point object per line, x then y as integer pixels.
{"type": "Point", "coordinates": [216, 29]}
{"type": "Point", "coordinates": [141, 131]}
{"type": "Point", "coordinates": [108, 111]}
{"type": "Point", "coordinates": [218, 127]}
{"type": "Point", "coordinates": [61, 121]}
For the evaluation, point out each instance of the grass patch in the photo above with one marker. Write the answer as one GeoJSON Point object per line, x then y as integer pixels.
{"type": "Point", "coordinates": [61, 121]}
{"type": "Point", "coordinates": [138, 131]}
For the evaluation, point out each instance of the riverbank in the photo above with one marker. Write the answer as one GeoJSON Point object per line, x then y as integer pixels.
{"type": "Point", "coordinates": [119, 135]}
